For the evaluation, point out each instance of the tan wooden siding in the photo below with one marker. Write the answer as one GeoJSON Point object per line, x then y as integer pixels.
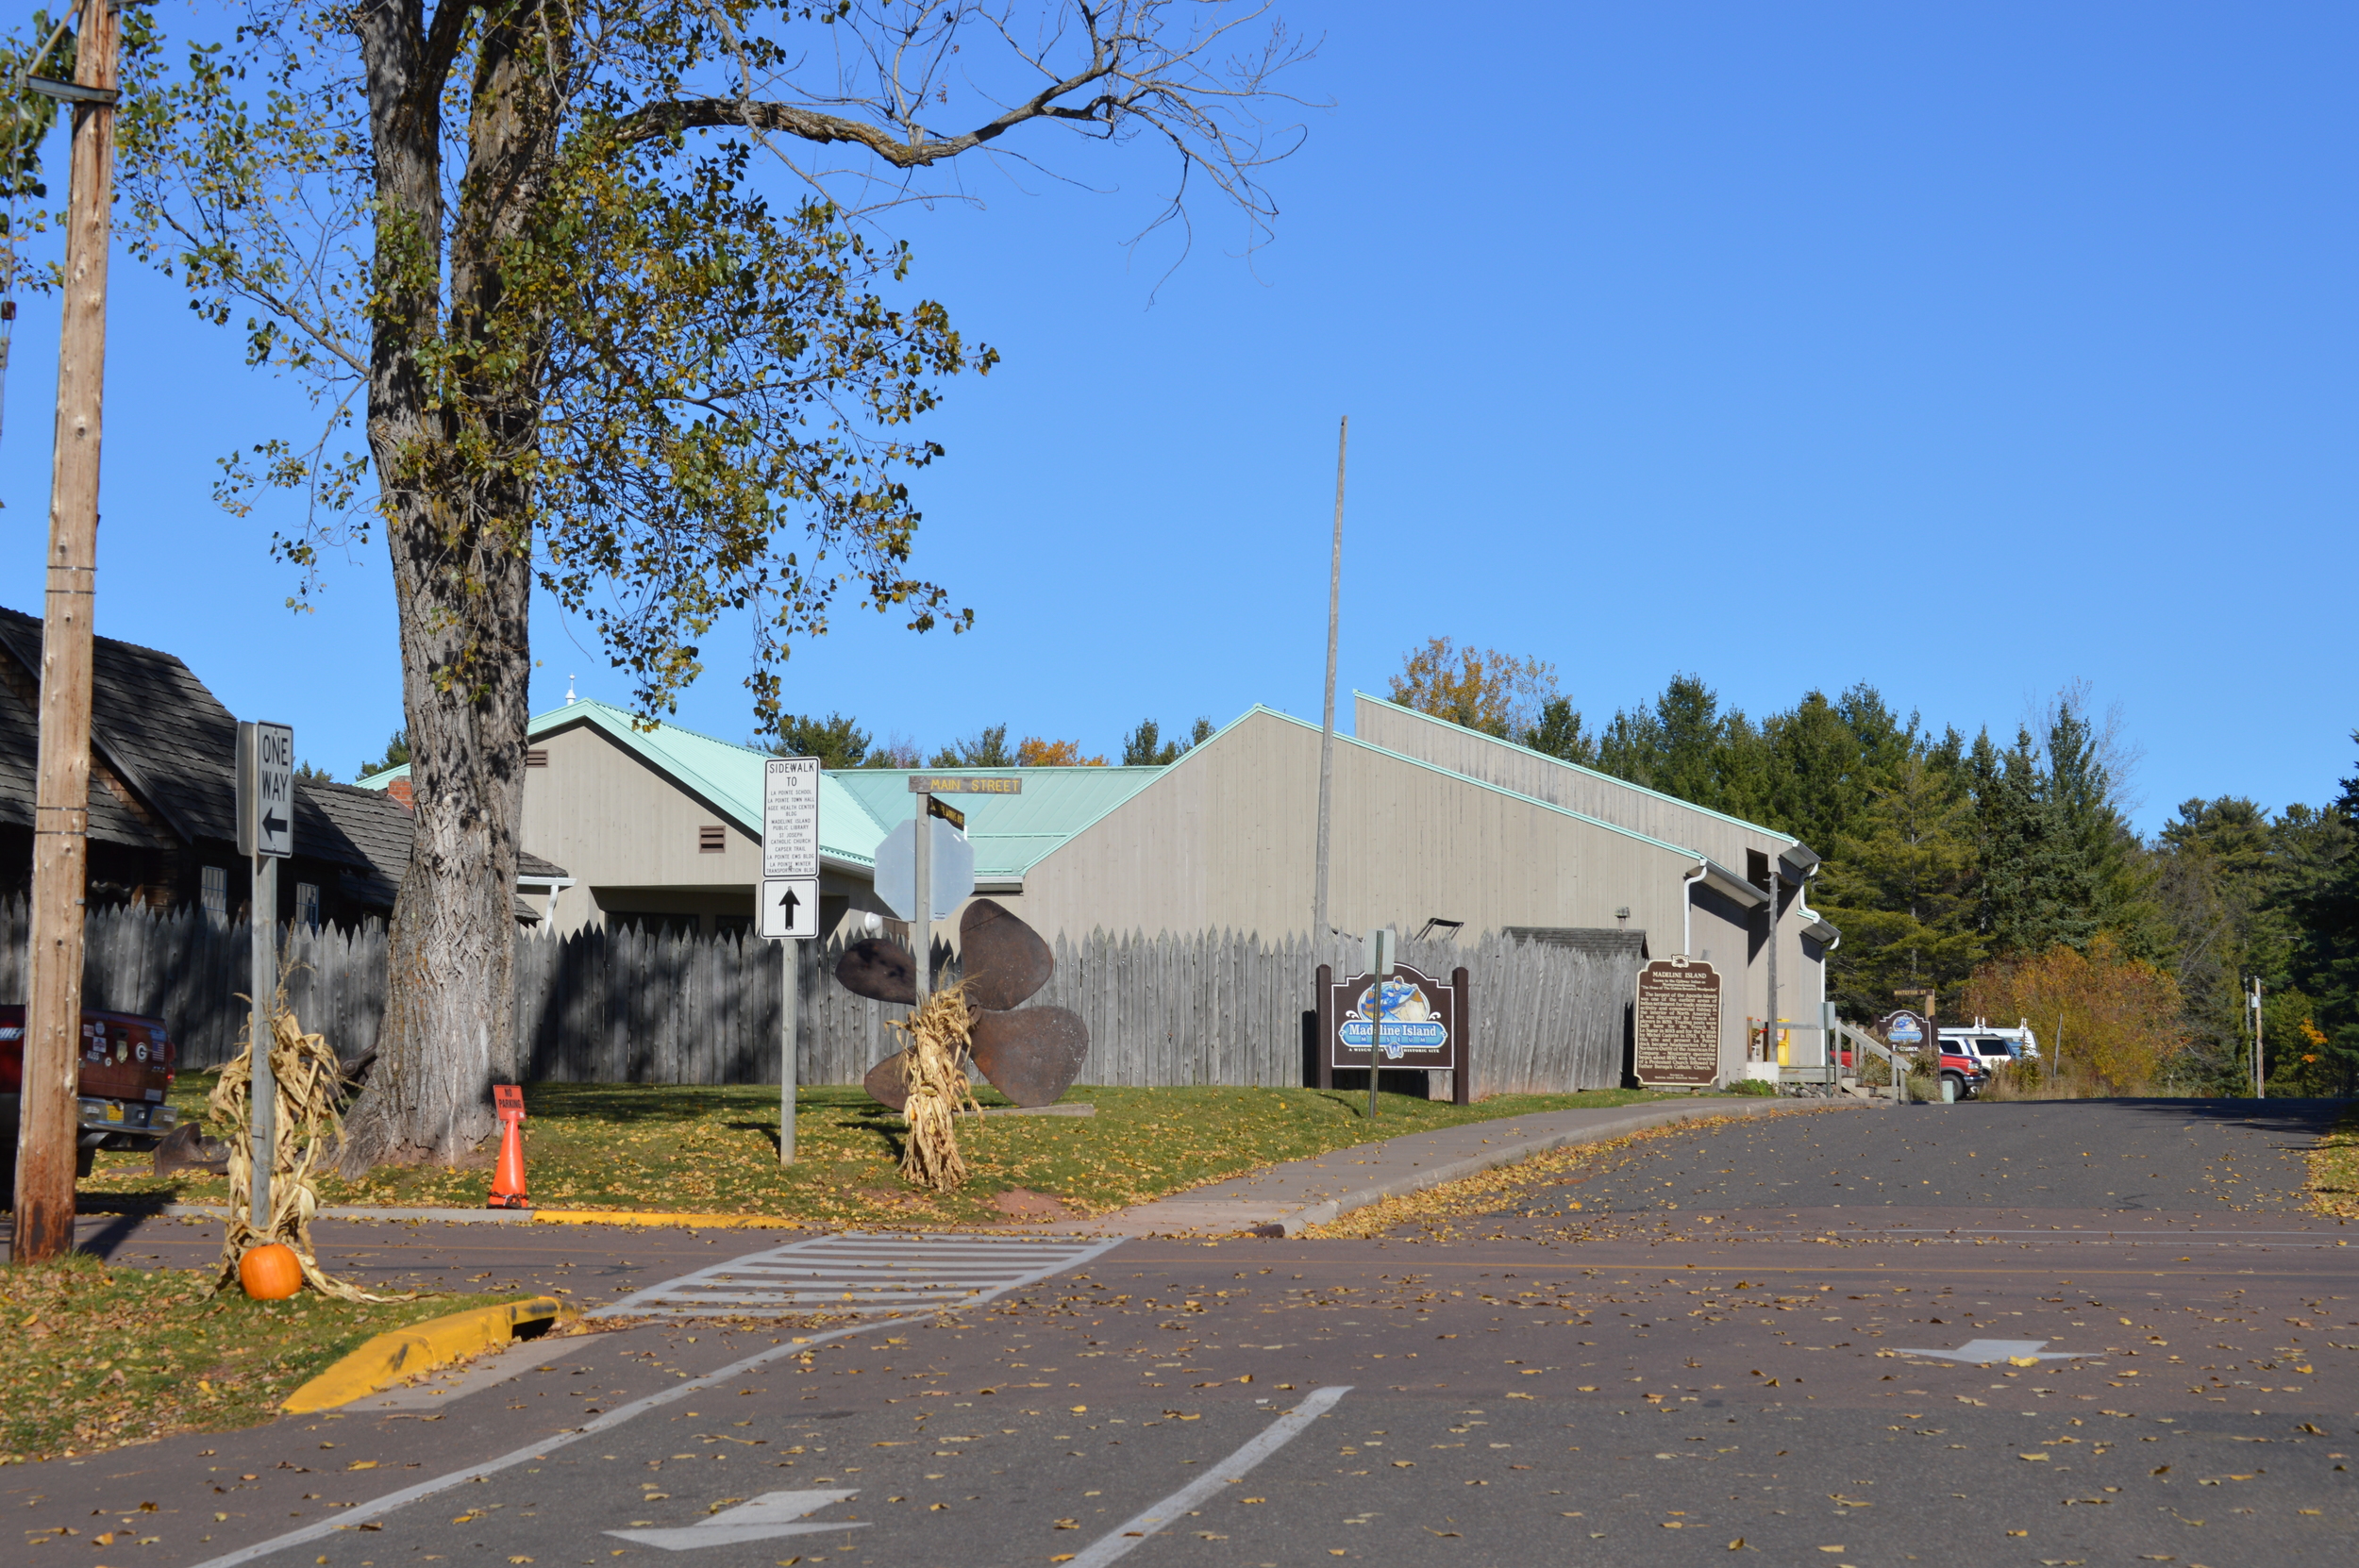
{"type": "Point", "coordinates": [1227, 842]}
{"type": "Point", "coordinates": [613, 822]}
{"type": "Point", "coordinates": [1527, 772]}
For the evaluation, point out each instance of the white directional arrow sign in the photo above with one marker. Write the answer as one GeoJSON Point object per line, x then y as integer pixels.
{"type": "Point", "coordinates": [773, 1513]}
{"type": "Point", "coordinates": [2014, 1352]}
{"type": "Point", "coordinates": [791, 908]}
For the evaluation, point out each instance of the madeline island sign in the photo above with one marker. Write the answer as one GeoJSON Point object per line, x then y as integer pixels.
{"type": "Point", "coordinates": [1425, 1023]}
{"type": "Point", "coordinates": [1674, 1026]}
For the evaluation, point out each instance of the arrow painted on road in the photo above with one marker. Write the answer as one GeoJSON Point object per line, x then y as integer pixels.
{"type": "Point", "coordinates": [2014, 1352]}
{"type": "Point", "coordinates": [773, 1513]}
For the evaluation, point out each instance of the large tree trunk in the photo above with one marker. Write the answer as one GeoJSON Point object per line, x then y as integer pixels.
{"type": "Point", "coordinates": [450, 1005]}
{"type": "Point", "coordinates": [451, 449]}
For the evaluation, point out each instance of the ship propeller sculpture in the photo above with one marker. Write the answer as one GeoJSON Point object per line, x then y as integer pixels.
{"type": "Point", "coordinates": [1031, 1055]}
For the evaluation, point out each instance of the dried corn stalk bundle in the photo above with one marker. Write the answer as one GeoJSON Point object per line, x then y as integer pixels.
{"type": "Point", "coordinates": [305, 1131]}
{"type": "Point", "coordinates": [933, 1070]}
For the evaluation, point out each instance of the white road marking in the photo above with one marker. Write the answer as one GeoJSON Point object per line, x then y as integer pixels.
{"type": "Point", "coordinates": [1985, 1352]}
{"type": "Point", "coordinates": [858, 1273]}
{"type": "Point", "coordinates": [773, 1513]}
{"type": "Point", "coordinates": [353, 1517]}
{"type": "Point", "coordinates": [1229, 1472]}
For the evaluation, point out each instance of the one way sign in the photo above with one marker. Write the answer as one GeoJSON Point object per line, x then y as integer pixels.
{"type": "Point", "coordinates": [790, 907]}
{"type": "Point", "coordinates": [266, 789]}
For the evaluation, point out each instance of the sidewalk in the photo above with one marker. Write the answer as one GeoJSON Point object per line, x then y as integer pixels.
{"type": "Point", "coordinates": [1305, 1193]}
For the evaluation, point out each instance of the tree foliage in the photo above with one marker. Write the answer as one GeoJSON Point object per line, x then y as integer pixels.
{"type": "Point", "coordinates": [1144, 747]}
{"type": "Point", "coordinates": [593, 299]}
{"type": "Point", "coordinates": [1953, 862]}
{"type": "Point", "coordinates": [2108, 1021]}
{"type": "Point", "coordinates": [396, 752]}
{"type": "Point", "coordinates": [1481, 687]}
{"type": "Point", "coordinates": [986, 748]}
{"type": "Point", "coordinates": [837, 741]}
{"type": "Point", "coordinates": [1036, 752]}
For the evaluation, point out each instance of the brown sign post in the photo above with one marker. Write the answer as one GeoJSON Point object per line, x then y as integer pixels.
{"type": "Point", "coordinates": [1425, 1025]}
{"type": "Point", "coordinates": [1676, 1025]}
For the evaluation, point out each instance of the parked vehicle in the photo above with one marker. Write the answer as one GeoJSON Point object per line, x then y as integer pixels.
{"type": "Point", "coordinates": [1968, 1073]}
{"type": "Point", "coordinates": [2019, 1044]}
{"type": "Point", "coordinates": [127, 1070]}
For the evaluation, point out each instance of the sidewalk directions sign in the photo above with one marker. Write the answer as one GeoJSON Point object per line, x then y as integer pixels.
{"type": "Point", "coordinates": [790, 818]}
{"type": "Point", "coordinates": [266, 789]}
{"type": "Point", "coordinates": [1676, 1025]}
{"type": "Point", "coordinates": [790, 848]}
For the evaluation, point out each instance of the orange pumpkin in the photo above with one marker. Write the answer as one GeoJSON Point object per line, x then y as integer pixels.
{"type": "Point", "coordinates": [270, 1271]}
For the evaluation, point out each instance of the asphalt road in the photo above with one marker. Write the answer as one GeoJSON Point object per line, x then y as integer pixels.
{"type": "Point", "coordinates": [1698, 1359]}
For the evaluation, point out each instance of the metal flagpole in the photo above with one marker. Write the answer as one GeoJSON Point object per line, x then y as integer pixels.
{"type": "Point", "coordinates": [1319, 930]}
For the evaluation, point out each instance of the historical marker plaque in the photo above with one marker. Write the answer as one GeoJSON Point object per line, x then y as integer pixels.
{"type": "Point", "coordinates": [1677, 1026]}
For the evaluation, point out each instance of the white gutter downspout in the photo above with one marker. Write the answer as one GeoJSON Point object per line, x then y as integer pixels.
{"type": "Point", "coordinates": [1688, 908]}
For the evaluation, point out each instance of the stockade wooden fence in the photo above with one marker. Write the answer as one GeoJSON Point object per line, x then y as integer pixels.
{"type": "Point", "coordinates": [628, 1007]}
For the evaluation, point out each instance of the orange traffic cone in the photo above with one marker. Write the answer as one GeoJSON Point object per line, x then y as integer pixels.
{"type": "Point", "coordinates": [508, 1180]}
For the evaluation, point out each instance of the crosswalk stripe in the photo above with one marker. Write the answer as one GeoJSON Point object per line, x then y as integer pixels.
{"type": "Point", "coordinates": [861, 1272]}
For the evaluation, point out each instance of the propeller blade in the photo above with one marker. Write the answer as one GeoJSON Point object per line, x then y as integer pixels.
{"type": "Point", "coordinates": [1031, 1055]}
{"type": "Point", "coordinates": [1004, 959]}
{"type": "Point", "coordinates": [880, 969]}
{"type": "Point", "coordinates": [884, 1085]}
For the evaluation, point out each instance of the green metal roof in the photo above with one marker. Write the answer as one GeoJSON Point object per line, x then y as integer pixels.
{"type": "Point", "coordinates": [1011, 833]}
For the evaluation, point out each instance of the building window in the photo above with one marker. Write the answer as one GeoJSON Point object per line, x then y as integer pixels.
{"type": "Point", "coordinates": [536, 758]}
{"type": "Point", "coordinates": [217, 892]}
{"type": "Point", "coordinates": [711, 841]}
{"type": "Point", "coordinates": [308, 904]}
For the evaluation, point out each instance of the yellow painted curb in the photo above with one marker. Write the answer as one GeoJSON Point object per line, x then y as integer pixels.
{"type": "Point", "coordinates": [405, 1352]}
{"type": "Point", "coordinates": [634, 1216]}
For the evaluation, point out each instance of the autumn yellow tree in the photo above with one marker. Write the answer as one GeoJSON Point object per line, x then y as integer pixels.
{"type": "Point", "coordinates": [1033, 752]}
{"type": "Point", "coordinates": [1481, 687]}
{"type": "Point", "coordinates": [2107, 1022]}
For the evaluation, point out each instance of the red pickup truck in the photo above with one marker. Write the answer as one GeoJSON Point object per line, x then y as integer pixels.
{"type": "Point", "coordinates": [127, 1067]}
{"type": "Point", "coordinates": [1968, 1073]}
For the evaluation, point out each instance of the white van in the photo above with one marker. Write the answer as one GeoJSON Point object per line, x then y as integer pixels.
{"type": "Point", "coordinates": [1993, 1044]}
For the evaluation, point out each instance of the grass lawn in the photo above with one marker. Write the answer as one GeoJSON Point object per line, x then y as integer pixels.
{"type": "Point", "coordinates": [2334, 1167]}
{"type": "Point", "coordinates": [715, 1150]}
{"type": "Point", "coordinates": [93, 1356]}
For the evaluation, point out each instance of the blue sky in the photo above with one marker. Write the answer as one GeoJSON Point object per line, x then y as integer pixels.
{"type": "Point", "coordinates": [1964, 351]}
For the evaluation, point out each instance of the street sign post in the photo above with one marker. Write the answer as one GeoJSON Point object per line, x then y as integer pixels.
{"type": "Point", "coordinates": [1382, 953]}
{"type": "Point", "coordinates": [265, 769]}
{"type": "Point", "coordinates": [933, 871]}
{"type": "Point", "coordinates": [789, 903]}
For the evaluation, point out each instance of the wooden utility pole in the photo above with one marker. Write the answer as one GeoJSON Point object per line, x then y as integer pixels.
{"type": "Point", "coordinates": [1319, 931]}
{"type": "Point", "coordinates": [47, 1127]}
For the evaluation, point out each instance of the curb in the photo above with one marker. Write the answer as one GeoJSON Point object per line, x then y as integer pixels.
{"type": "Point", "coordinates": [519, 1216]}
{"type": "Point", "coordinates": [1458, 1170]}
{"type": "Point", "coordinates": [695, 1222]}
{"type": "Point", "coordinates": [404, 1352]}
{"type": "Point", "coordinates": [1184, 1213]}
